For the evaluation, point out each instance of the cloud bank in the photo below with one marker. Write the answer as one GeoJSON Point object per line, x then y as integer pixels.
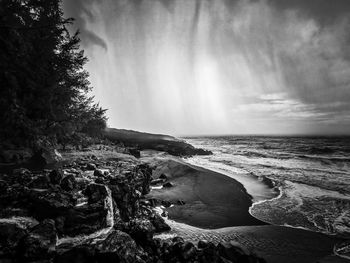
{"type": "Point", "coordinates": [204, 67]}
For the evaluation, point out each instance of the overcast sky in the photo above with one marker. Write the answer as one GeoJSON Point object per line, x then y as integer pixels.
{"type": "Point", "coordinates": [219, 66]}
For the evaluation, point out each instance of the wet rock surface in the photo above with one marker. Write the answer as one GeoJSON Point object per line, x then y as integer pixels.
{"type": "Point", "coordinates": [93, 209]}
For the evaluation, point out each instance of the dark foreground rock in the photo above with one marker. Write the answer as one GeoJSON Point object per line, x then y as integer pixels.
{"type": "Point", "coordinates": [94, 211]}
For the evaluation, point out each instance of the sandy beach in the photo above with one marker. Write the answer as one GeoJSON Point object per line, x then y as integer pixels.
{"type": "Point", "coordinates": [212, 200]}
{"type": "Point", "coordinates": [216, 209]}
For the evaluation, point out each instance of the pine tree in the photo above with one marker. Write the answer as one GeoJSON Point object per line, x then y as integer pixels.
{"type": "Point", "coordinates": [44, 88]}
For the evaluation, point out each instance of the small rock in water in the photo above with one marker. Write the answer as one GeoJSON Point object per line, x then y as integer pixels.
{"type": "Point", "coordinates": [165, 203]}
{"type": "Point", "coordinates": [168, 185]}
{"type": "Point", "coordinates": [163, 176]}
{"type": "Point", "coordinates": [164, 213]}
{"type": "Point", "coordinates": [181, 202]}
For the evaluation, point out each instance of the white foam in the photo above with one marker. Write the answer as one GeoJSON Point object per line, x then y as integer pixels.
{"type": "Point", "coordinates": [297, 190]}
{"type": "Point", "coordinates": [156, 187]}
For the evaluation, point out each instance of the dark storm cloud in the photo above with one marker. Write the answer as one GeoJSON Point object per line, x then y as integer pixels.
{"type": "Point", "coordinates": [297, 51]}
{"type": "Point", "coordinates": [80, 10]}
{"type": "Point", "coordinates": [325, 11]}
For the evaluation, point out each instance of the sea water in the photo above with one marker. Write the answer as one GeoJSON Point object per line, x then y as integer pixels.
{"type": "Point", "coordinates": [294, 181]}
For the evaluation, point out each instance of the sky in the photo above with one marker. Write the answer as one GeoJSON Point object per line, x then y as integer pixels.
{"type": "Point", "coordinates": [202, 67]}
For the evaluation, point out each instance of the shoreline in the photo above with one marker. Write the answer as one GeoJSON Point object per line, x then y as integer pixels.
{"type": "Point", "coordinates": [211, 200]}
{"type": "Point", "coordinates": [278, 190]}
{"type": "Point", "coordinates": [279, 194]}
{"type": "Point", "coordinates": [275, 243]}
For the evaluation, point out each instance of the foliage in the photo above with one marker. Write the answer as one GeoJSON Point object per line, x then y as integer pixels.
{"type": "Point", "coordinates": [44, 88]}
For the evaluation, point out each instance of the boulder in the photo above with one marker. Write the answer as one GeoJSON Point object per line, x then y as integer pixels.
{"type": "Point", "coordinates": [178, 239]}
{"type": "Point", "coordinates": [22, 176]}
{"type": "Point", "coordinates": [135, 152]}
{"type": "Point", "coordinates": [11, 232]}
{"type": "Point", "coordinates": [157, 181]}
{"type": "Point", "coordinates": [82, 220]}
{"type": "Point", "coordinates": [126, 198]}
{"type": "Point", "coordinates": [12, 154]}
{"type": "Point", "coordinates": [68, 183]}
{"type": "Point", "coordinates": [95, 192]}
{"type": "Point", "coordinates": [91, 167]}
{"type": "Point", "coordinates": [189, 251]}
{"type": "Point", "coordinates": [85, 219]}
{"type": "Point", "coordinates": [166, 203]}
{"type": "Point", "coordinates": [79, 254]}
{"type": "Point", "coordinates": [119, 247]}
{"type": "Point", "coordinates": [141, 230]}
{"type": "Point", "coordinates": [45, 156]}
{"type": "Point", "coordinates": [40, 182]}
{"type": "Point", "coordinates": [209, 254]}
{"type": "Point", "coordinates": [143, 178]}
{"type": "Point", "coordinates": [98, 173]}
{"type": "Point", "coordinates": [202, 244]}
{"type": "Point", "coordinates": [164, 213]}
{"type": "Point", "coordinates": [39, 243]}
{"type": "Point", "coordinates": [163, 176]}
{"type": "Point", "coordinates": [56, 176]}
{"type": "Point", "coordinates": [48, 203]}
{"type": "Point", "coordinates": [159, 224]}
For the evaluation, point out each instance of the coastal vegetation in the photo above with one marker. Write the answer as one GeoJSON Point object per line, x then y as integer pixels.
{"type": "Point", "coordinates": [44, 95]}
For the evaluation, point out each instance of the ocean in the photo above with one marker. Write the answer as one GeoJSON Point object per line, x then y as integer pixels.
{"type": "Point", "coordinates": [301, 182]}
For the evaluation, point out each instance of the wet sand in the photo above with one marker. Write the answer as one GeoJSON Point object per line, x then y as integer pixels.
{"type": "Point", "coordinates": [216, 210]}
{"type": "Point", "coordinates": [212, 200]}
{"type": "Point", "coordinates": [275, 244]}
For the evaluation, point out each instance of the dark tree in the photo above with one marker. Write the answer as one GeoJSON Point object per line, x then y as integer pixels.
{"type": "Point", "coordinates": [44, 88]}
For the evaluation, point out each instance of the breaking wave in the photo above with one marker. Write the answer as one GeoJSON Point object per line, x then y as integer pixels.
{"type": "Point", "coordinates": [300, 182]}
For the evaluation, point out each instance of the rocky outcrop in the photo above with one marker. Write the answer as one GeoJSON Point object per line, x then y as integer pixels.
{"type": "Point", "coordinates": [11, 232]}
{"type": "Point", "coordinates": [40, 243]}
{"type": "Point", "coordinates": [159, 142]}
{"type": "Point", "coordinates": [93, 211]}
